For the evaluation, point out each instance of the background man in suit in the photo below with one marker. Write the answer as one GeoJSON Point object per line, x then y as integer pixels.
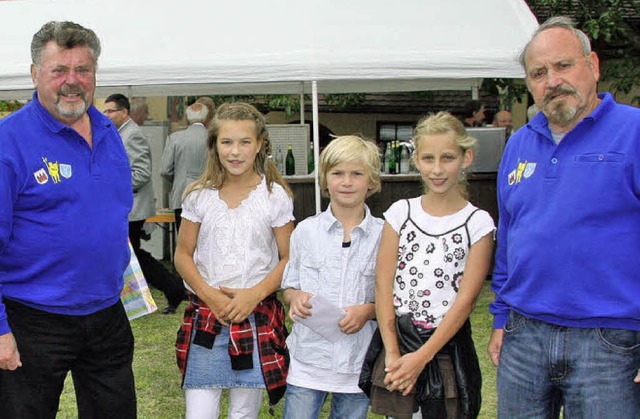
{"type": "Point", "coordinates": [139, 111]}
{"type": "Point", "coordinates": [139, 153]}
{"type": "Point", "coordinates": [185, 155]}
{"type": "Point", "coordinates": [208, 102]}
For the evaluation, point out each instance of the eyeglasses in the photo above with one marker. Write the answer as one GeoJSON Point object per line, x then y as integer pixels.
{"type": "Point", "coordinates": [110, 111]}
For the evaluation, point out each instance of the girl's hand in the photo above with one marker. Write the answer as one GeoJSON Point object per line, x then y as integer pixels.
{"type": "Point", "coordinates": [299, 305]}
{"type": "Point", "coordinates": [242, 303]}
{"type": "Point", "coordinates": [216, 301]}
{"type": "Point", "coordinates": [356, 318]}
{"type": "Point", "coordinates": [403, 373]}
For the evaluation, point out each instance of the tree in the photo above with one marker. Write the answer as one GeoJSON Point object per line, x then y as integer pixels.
{"type": "Point", "coordinates": [9, 105]}
{"type": "Point", "coordinates": [289, 104]}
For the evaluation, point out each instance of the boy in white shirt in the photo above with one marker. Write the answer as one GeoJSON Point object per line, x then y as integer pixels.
{"type": "Point", "coordinates": [333, 254]}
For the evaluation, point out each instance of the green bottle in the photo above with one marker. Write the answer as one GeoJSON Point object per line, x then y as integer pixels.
{"type": "Point", "coordinates": [290, 162]}
{"type": "Point", "coordinates": [310, 160]}
{"type": "Point", "coordinates": [392, 159]}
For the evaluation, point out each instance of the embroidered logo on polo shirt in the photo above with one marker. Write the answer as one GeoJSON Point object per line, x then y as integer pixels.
{"type": "Point", "coordinates": [529, 169]}
{"type": "Point", "coordinates": [41, 176]}
{"type": "Point", "coordinates": [65, 170]}
{"type": "Point", "coordinates": [54, 170]}
{"type": "Point", "coordinates": [524, 170]}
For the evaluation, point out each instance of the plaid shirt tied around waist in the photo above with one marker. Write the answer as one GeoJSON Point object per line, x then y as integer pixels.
{"type": "Point", "coordinates": [271, 332]}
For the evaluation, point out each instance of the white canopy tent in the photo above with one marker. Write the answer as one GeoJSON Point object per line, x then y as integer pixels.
{"type": "Point", "coordinates": [165, 47]}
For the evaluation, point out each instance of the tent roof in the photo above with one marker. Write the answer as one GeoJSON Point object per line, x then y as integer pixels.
{"type": "Point", "coordinates": [166, 47]}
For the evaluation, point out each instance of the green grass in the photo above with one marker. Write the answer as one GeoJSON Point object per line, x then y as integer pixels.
{"type": "Point", "coordinates": [158, 379]}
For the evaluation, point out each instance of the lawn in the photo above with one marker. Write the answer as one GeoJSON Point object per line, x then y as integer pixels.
{"type": "Point", "coordinates": [158, 379]}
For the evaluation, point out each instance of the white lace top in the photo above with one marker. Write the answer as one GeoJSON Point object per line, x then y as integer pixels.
{"type": "Point", "coordinates": [236, 247]}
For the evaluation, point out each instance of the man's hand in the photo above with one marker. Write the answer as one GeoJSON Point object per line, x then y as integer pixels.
{"type": "Point", "coordinates": [9, 355]}
{"type": "Point", "coordinates": [495, 345]}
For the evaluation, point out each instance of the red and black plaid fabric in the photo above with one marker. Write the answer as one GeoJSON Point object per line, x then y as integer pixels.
{"type": "Point", "coordinates": [271, 332]}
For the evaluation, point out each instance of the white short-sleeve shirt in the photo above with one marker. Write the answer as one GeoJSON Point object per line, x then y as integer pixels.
{"type": "Point", "coordinates": [236, 247]}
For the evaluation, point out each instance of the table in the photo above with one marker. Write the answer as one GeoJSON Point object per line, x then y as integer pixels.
{"type": "Point", "coordinates": [168, 217]}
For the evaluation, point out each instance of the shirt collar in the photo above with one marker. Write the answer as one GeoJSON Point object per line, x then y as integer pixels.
{"type": "Point", "coordinates": [329, 221]}
{"type": "Point", "coordinates": [540, 123]}
{"type": "Point", "coordinates": [125, 124]}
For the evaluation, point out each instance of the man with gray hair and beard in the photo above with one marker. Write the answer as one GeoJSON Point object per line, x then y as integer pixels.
{"type": "Point", "coordinates": [65, 193]}
{"type": "Point", "coordinates": [567, 284]}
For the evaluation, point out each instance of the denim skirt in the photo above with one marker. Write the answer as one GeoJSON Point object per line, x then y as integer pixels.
{"type": "Point", "coordinates": [211, 368]}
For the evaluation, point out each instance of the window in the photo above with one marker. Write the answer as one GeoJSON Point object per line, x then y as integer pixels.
{"type": "Point", "coordinates": [395, 131]}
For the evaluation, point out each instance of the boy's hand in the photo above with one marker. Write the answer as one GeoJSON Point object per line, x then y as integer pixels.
{"type": "Point", "coordinates": [299, 305]}
{"type": "Point", "coordinates": [356, 318]}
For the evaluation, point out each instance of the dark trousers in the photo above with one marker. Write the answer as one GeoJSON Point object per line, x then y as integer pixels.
{"type": "Point", "coordinates": [154, 272]}
{"type": "Point", "coordinates": [96, 348]}
{"type": "Point", "coordinates": [178, 213]}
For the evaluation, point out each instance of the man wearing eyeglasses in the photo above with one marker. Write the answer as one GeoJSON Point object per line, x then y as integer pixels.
{"type": "Point", "coordinates": [139, 153]}
{"type": "Point", "coordinates": [117, 108]}
{"type": "Point", "coordinates": [65, 193]}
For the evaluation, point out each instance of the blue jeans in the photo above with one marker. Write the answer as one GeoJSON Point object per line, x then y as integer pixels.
{"type": "Point", "coordinates": [305, 403]}
{"type": "Point", "coordinates": [588, 372]}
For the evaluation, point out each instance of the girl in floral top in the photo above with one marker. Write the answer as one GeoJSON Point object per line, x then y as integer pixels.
{"type": "Point", "coordinates": [232, 249]}
{"type": "Point", "coordinates": [434, 256]}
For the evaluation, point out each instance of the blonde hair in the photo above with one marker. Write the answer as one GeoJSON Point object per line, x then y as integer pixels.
{"type": "Point", "coordinates": [350, 148]}
{"type": "Point", "coordinates": [215, 174]}
{"type": "Point", "coordinates": [444, 123]}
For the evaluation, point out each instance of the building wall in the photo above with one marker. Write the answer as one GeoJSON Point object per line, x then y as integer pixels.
{"type": "Point", "coordinates": [346, 123]}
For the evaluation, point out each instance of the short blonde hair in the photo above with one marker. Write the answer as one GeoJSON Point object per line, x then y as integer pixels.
{"type": "Point", "coordinates": [350, 148]}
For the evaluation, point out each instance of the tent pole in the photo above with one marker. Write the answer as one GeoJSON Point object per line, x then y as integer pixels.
{"type": "Point", "coordinates": [316, 142]}
{"type": "Point", "coordinates": [301, 103]}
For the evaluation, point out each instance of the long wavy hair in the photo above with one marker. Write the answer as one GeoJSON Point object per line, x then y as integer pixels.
{"type": "Point", "coordinates": [215, 174]}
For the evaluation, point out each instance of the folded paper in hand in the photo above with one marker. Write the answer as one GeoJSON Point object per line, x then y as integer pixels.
{"type": "Point", "coordinates": [324, 318]}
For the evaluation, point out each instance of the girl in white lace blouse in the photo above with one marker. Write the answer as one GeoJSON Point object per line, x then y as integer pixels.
{"type": "Point", "coordinates": [232, 248]}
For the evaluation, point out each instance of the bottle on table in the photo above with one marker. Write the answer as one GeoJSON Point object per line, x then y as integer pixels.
{"type": "Point", "coordinates": [392, 166]}
{"type": "Point", "coordinates": [310, 160]}
{"type": "Point", "coordinates": [290, 162]}
{"type": "Point", "coordinates": [387, 157]}
{"type": "Point", "coordinates": [405, 159]}
{"type": "Point", "coordinates": [279, 159]}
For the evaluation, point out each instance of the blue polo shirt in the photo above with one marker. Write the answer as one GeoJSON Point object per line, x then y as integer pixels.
{"type": "Point", "coordinates": [63, 213]}
{"type": "Point", "coordinates": [569, 228]}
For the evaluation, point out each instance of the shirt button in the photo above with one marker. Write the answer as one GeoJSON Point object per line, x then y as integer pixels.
{"type": "Point", "coordinates": [600, 157]}
{"type": "Point", "coordinates": [554, 160]}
